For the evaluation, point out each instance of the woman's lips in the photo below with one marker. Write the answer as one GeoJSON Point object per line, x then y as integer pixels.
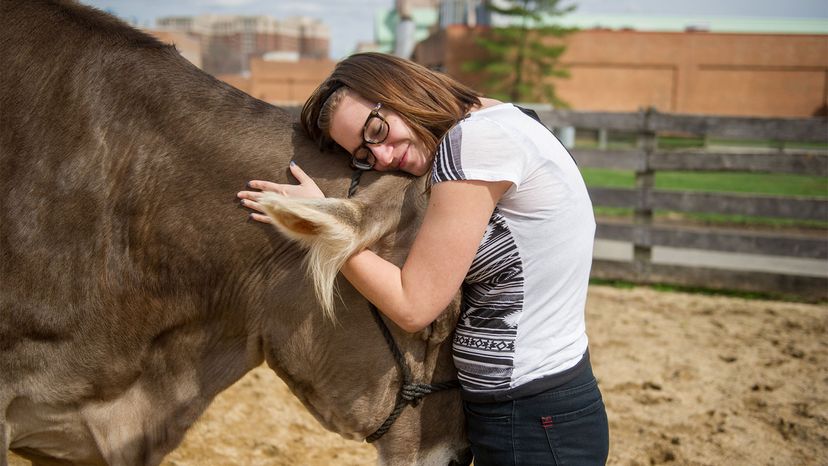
{"type": "Point", "coordinates": [403, 159]}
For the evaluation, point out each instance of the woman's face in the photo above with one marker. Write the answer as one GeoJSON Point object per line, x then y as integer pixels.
{"type": "Point", "coordinates": [401, 150]}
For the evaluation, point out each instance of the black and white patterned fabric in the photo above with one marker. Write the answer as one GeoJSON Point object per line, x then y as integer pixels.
{"type": "Point", "coordinates": [484, 340]}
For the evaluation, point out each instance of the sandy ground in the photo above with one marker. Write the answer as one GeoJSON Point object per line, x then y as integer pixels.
{"type": "Point", "coordinates": [687, 380]}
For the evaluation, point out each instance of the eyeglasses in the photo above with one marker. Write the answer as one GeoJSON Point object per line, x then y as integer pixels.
{"type": "Point", "coordinates": [375, 131]}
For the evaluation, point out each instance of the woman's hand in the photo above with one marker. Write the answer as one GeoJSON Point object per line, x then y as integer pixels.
{"type": "Point", "coordinates": [306, 188]}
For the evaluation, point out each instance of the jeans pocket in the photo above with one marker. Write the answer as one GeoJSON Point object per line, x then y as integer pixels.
{"type": "Point", "coordinates": [579, 437]}
{"type": "Point", "coordinates": [494, 413]}
{"type": "Point", "coordinates": [490, 431]}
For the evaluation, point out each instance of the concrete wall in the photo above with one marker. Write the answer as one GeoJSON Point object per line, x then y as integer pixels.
{"type": "Point", "coordinates": [689, 72]}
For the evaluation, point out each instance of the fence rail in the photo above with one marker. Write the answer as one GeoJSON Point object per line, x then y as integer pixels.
{"type": "Point", "coordinates": [796, 163]}
{"type": "Point", "coordinates": [718, 240]}
{"type": "Point", "coordinates": [801, 208]}
{"type": "Point", "coordinates": [650, 121]}
{"type": "Point", "coordinates": [646, 159]}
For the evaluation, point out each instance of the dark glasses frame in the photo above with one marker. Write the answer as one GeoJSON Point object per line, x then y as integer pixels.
{"type": "Point", "coordinates": [367, 160]}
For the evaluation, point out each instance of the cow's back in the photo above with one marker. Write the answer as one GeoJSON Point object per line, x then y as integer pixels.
{"type": "Point", "coordinates": [112, 200]}
{"type": "Point", "coordinates": [121, 269]}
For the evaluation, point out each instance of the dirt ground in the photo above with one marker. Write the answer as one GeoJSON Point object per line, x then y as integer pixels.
{"type": "Point", "coordinates": [687, 380]}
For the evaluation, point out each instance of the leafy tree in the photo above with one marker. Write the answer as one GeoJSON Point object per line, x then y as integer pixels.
{"type": "Point", "coordinates": [519, 59]}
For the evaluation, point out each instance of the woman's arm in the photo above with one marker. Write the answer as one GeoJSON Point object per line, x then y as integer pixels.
{"type": "Point", "coordinates": [456, 218]}
{"type": "Point", "coordinates": [414, 295]}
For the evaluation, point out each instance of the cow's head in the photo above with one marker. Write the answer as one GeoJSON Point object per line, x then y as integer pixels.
{"type": "Point", "coordinates": [357, 367]}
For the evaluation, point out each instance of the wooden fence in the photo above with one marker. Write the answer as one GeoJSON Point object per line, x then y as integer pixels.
{"type": "Point", "coordinates": [646, 159]}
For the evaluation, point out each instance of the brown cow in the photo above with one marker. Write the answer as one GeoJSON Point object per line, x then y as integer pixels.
{"type": "Point", "coordinates": [132, 289]}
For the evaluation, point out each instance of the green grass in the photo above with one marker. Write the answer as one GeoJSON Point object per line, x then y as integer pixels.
{"type": "Point", "coordinates": [774, 184]}
{"type": "Point", "coordinates": [605, 178]}
{"type": "Point", "coordinates": [717, 219]}
{"type": "Point", "coordinates": [742, 183]}
{"type": "Point", "coordinates": [732, 182]}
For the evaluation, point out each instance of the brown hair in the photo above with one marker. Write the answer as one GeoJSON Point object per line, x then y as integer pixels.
{"type": "Point", "coordinates": [430, 103]}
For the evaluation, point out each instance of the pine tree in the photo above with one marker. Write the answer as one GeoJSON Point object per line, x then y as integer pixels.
{"type": "Point", "coordinates": [519, 60]}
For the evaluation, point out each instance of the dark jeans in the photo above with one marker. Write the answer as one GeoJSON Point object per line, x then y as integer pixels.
{"type": "Point", "coordinates": [566, 425]}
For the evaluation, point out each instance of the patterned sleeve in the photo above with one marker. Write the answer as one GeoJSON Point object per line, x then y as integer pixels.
{"type": "Point", "coordinates": [478, 150]}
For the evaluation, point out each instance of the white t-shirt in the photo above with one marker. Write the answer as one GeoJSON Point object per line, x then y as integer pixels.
{"type": "Point", "coordinates": [522, 317]}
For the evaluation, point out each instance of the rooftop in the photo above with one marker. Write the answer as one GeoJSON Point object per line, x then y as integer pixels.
{"type": "Point", "coordinates": [705, 23]}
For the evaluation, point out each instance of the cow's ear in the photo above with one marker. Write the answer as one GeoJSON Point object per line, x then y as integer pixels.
{"type": "Point", "coordinates": [328, 228]}
{"type": "Point", "coordinates": [312, 220]}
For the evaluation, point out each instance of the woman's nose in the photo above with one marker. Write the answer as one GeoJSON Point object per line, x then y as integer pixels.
{"type": "Point", "coordinates": [384, 153]}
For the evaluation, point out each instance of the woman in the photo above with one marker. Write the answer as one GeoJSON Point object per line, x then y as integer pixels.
{"type": "Point", "coordinates": [508, 219]}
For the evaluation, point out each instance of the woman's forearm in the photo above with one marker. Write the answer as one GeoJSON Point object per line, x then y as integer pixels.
{"type": "Point", "coordinates": [381, 283]}
{"type": "Point", "coordinates": [439, 259]}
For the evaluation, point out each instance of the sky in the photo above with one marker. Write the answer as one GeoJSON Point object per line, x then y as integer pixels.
{"type": "Point", "coordinates": [352, 21]}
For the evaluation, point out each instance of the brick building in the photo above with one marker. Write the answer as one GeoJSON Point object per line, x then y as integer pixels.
{"type": "Point", "coordinates": [228, 43]}
{"type": "Point", "coordinates": [282, 82]}
{"type": "Point", "coordinates": [746, 74]}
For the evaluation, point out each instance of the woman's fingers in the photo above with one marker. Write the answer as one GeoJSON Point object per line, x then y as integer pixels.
{"type": "Point", "coordinates": [252, 205]}
{"type": "Point", "coordinates": [257, 216]}
{"type": "Point", "coordinates": [306, 188]}
{"type": "Point", "coordinates": [295, 170]}
{"type": "Point", "coordinates": [266, 186]}
{"type": "Point", "coordinates": [260, 218]}
{"type": "Point", "coordinates": [251, 195]}
{"type": "Point", "coordinates": [299, 173]}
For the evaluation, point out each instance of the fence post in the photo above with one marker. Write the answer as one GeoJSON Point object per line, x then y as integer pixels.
{"type": "Point", "coordinates": [566, 134]}
{"type": "Point", "coordinates": [602, 138]}
{"type": "Point", "coordinates": [643, 213]}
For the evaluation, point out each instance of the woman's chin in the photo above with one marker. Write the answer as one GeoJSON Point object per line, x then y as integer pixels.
{"type": "Point", "coordinates": [416, 170]}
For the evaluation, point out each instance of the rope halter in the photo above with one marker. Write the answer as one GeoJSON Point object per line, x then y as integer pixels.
{"type": "Point", "coordinates": [411, 393]}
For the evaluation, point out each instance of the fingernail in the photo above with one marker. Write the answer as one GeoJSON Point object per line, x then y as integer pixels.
{"type": "Point", "coordinates": [292, 163]}
{"type": "Point", "coordinates": [248, 185]}
{"type": "Point", "coordinates": [241, 201]}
